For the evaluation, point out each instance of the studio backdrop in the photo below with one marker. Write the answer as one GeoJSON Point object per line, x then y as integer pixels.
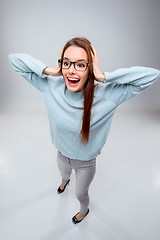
{"type": "Point", "coordinates": [124, 32]}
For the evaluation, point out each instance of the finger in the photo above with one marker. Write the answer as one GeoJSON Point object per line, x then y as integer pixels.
{"type": "Point", "coordinates": [92, 54]}
{"type": "Point", "coordinates": [94, 50]}
{"type": "Point", "coordinates": [60, 55]}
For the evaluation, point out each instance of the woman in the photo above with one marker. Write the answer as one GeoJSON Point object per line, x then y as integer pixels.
{"type": "Point", "coordinates": [80, 111]}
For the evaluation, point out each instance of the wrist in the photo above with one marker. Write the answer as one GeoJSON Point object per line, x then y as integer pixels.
{"type": "Point", "coordinates": [46, 70]}
{"type": "Point", "coordinates": [52, 71]}
{"type": "Point", "coordinates": [101, 77]}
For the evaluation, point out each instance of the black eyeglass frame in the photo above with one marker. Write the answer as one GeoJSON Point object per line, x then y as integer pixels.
{"type": "Point", "coordinates": [61, 60]}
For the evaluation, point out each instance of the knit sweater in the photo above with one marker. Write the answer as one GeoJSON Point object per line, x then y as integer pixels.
{"type": "Point", "coordinates": [65, 108]}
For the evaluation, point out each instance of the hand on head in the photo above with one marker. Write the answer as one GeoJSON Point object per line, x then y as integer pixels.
{"type": "Point", "coordinates": [53, 71]}
{"type": "Point", "coordinates": [99, 76]}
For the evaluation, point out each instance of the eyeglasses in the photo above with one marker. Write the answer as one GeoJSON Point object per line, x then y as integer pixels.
{"type": "Point", "coordinates": [78, 65]}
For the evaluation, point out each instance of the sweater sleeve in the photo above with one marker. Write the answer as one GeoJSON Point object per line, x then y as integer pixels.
{"type": "Point", "coordinates": [31, 69]}
{"type": "Point", "coordinates": [128, 82]}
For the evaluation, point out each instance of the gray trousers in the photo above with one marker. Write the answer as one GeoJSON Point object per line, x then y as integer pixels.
{"type": "Point", "coordinates": [85, 172]}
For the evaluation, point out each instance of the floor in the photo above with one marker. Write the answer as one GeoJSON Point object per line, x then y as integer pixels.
{"type": "Point", "coordinates": [125, 194]}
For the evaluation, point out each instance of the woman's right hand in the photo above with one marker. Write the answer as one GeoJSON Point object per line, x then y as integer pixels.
{"type": "Point", "coordinates": [55, 71]}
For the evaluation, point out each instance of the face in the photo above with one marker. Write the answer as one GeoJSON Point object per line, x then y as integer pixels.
{"type": "Point", "coordinates": [75, 80]}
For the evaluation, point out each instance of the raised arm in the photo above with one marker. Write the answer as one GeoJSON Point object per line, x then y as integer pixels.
{"type": "Point", "coordinates": [31, 69]}
{"type": "Point", "coordinates": [137, 76]}
{"type": "Point", "coordinates": [125, 83]}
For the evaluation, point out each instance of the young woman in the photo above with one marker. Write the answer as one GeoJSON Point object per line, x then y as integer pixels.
{"type": "Point", "coordinates": [80, 110]}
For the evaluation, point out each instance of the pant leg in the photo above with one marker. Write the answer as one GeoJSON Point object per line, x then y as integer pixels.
{"type": "Point", "coordinates": [64, 167]}
{"type": "Point", "coordinates": [84, 177]}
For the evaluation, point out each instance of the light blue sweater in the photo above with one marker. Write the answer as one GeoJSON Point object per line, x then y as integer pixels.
{"type": "Point", "coordinates": [65, 108]}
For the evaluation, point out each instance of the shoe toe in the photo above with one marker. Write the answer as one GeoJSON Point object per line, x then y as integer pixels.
{"type": "Point", "coordinates": [74, 219]}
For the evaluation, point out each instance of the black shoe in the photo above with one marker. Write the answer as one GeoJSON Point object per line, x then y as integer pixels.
{"type": "Point", "coordinates": [74, 219]}
{"type": "Point", "coordinates": [60, 190]}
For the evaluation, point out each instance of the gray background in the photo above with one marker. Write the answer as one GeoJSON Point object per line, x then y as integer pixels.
{"type": "Point", "coordinates": [124, 32]}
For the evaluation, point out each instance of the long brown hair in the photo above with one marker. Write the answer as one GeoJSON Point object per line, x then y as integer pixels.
{"type": "Point", "coordinates": [89, 86]}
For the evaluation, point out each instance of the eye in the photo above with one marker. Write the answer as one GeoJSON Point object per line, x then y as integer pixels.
{"type": "Point", "coordinates": [66, 63]}
{"type": "Point", "coordinates": [81, 65]}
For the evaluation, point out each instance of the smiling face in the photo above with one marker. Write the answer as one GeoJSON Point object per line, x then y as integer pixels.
{"type": "Point", "coordinates": [75, 80]}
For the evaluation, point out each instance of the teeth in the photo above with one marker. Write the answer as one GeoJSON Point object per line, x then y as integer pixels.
{"type": "Point", "coordinates": [73, 79]}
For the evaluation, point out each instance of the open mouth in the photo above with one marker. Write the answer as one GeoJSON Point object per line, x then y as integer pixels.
{"type": "Point", "coordinates": [73, 81]}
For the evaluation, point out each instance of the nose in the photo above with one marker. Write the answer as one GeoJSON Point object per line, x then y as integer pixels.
{"type": "Point", "coordinates": [72, 69]}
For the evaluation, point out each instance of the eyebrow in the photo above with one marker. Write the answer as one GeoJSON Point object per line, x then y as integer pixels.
{"type": "Point", "coordinates": [83, 60]}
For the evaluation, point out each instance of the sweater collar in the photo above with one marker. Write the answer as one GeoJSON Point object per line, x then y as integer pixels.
{"type": "Point", "coordinates": [74, 95]}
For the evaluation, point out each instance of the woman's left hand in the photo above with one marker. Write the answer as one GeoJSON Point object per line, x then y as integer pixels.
{"type": "Point", "coordinates": [99, 76]}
